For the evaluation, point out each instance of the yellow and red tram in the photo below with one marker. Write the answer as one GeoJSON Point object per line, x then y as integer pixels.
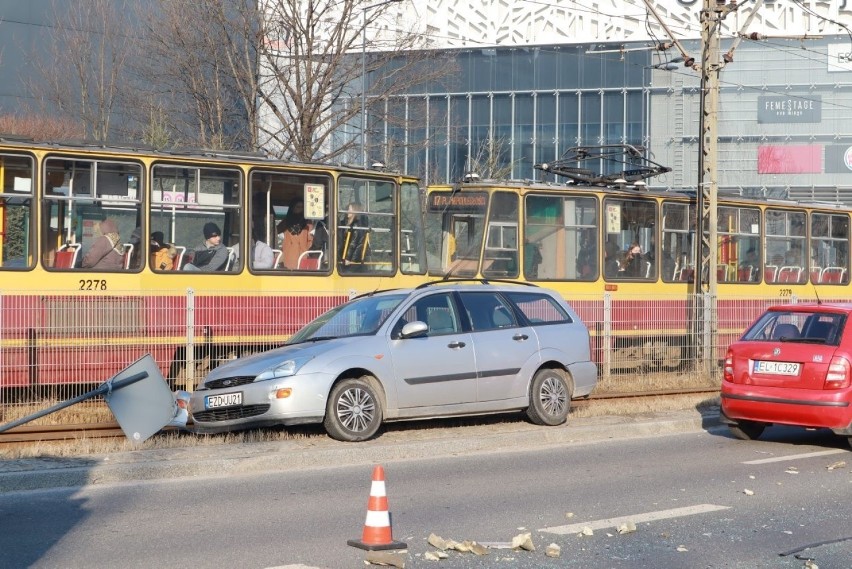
{"type": "Point", "coordinates": [63, 323]}
{"type": "Point", "coordinates": [625, 257]}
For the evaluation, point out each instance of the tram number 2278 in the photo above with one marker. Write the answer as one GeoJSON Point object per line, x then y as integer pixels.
{"type": "Point", "coordinates": [93, 284]}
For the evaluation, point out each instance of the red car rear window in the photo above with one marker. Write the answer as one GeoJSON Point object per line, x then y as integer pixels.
{"type": "Point", "coordinates": [797, 327]}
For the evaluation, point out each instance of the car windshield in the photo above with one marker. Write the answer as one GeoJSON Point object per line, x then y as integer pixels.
{"type": "Point", "coordinates": [358, 317]}
{"type": "Point", "coordinates": [798, 327]}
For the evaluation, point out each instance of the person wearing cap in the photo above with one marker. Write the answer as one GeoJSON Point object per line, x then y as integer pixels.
{"type": "Point", "coordinates": [107, 250]}
{"type": "Point", "coordinates": [211, 255]}
{"type": "Point", "coordinates": [162, 254]}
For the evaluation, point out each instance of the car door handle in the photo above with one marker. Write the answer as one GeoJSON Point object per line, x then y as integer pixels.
{"type": "Point", "coordinates": [456, 345]}
{"type": "Point", "coordinates": [520, 337]}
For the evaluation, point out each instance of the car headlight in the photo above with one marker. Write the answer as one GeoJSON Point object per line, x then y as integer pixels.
{"type": "Point", "coordinates": [283, 369]}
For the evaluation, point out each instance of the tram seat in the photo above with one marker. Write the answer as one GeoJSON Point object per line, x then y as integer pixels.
{"type": "Point", "coordinates": [745, 274]}
{"type": "Point", "coordinates": [833, 275]}
{"type": "Point", "coordinates": [178, 263]}
{"type": "Point", "coordinates": [278, 254]}
{"type": "Point", "coordinates": [721, 273]}
{"type": "Point", "coordinates": [687, 274]}
{"type": "Point", "coordinates": [816, 274]}
{"type": "Point", "coordinates": [127, 255]}
{"type": "Point", "coordinates": [66, 256]}
{"type": "Point", "coordinates": [789, 274]}
{"type": "Point", "coordinates": [309, 261]}
{"type": "Point", "coordinates": [770, 273]}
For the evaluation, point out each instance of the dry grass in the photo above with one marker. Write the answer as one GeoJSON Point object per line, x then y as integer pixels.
{"type": "Point", "coordinates": [642, 383]}
{"type": "Point", "coordinates": [313, 435]}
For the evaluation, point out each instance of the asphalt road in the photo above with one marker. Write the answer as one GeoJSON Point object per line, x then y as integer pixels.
{"type": "Point", "coordinates": [697, 498]}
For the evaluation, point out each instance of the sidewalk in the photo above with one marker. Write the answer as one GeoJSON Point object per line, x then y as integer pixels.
{"type": "Point", "coordinates": [219, 460]}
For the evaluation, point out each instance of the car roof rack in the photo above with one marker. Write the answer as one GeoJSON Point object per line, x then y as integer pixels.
{"type": "Point", "coordinates": [449, 279]}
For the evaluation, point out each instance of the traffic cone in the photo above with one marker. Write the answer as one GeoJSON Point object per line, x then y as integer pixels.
{"type": "Point", "coordinates": [377, 528]}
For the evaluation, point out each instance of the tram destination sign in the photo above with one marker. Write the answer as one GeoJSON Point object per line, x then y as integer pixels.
{"type": "Point", "coordinates": [458, 202]}
{"type": "Point", "coordinates": [795, 109]}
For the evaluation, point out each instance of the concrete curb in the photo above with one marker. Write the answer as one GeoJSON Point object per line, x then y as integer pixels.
{"type": "Point", "coordinates": [223, 460]}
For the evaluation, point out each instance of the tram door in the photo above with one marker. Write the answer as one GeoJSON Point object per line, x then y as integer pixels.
{"type": "Point", "coordinates": [463, 246]}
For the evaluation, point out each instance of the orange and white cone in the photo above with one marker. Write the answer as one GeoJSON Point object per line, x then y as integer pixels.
{"type": "Point", "coordinates": [377, 528]}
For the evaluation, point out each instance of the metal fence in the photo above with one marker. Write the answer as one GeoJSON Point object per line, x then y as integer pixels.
{"type": "Point", "coordinates": [55, 345]}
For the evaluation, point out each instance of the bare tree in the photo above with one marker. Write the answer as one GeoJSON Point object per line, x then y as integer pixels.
{"type": "Point", "coordinates": [82, 75]}
{"type": "Point", "coordinates": [282, 76]}
{"type": "Point", "coordinates": [313, 74]}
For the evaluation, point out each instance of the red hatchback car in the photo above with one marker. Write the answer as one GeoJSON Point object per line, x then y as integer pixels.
{"type": "Point", "coordinates": [793, 366]}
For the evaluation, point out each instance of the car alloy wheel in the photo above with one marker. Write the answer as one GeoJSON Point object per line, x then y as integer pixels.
{"type": "Point", "coordinates": [550, 397]}
{"type": "Point", "coordinates": [354, 412]}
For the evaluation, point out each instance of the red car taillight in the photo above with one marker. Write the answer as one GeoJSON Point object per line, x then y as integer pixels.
{"type": "Point", "coordinates": [838, 374]}
{"type": "Point", "coordinates": [729, 366]}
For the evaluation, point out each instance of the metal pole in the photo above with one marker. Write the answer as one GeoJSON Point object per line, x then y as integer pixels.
{"type": "Point", "coordinates": [364, 87]}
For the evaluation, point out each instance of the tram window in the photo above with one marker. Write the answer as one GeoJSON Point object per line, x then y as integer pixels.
{"type": "Point", "coordinates": [412, 246]}
{"type": "Point", "coordinates": [785, 249]}
{"type": "Point", "coordinates": [289, 212]}
{"type": "Point", "coordinates": [677, 262]}
{"type": "Point", "coordinates": [185, 201]}
{"type": "Point", "coordinates": [365, 239]}
{"type": "Point", "coordinates": [630, 238]}
{"type": "Point", "coordinates": [16, 211]}
{"type": "Point", "coordinates": [738, 237]}
{"type": "Point", "coordinates": [501, 243]}
{"type": "Point", "coordinates": [561, 238]}
{"type": "Point", "coordinates": [829, 259]}
{"type": "Point", "coordinates": [92, 214]}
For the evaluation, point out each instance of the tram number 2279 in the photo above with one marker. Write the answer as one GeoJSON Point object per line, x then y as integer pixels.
{"type": "Point", "coordinates": [93, 284]}
{"type": "Point", "coordinates": [786, 292]}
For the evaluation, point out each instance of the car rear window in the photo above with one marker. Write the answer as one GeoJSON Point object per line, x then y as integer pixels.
{"type": "Point", "coordinates": [797, 327]}
{"type": "Point", "coordinates": [539, 308]}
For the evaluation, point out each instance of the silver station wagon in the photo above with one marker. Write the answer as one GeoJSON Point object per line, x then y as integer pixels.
{"type": "Point", "coordinates": [443, 349]}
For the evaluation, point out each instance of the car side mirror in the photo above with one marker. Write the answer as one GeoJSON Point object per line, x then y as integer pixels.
{"type": "Point", "coordinates": [414, 329]}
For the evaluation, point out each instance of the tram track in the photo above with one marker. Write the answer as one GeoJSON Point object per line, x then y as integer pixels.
{"type": "Point", "coordinates": [31, 434]}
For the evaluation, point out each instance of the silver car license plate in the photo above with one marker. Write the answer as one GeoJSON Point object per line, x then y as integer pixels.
{"type": "Point", "coordinates": [223, 400]}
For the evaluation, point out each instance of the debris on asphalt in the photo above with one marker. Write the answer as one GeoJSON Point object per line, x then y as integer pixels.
{"type": "Point", "coordinates": [748, 492]}
{"type": "Point", "coordinates": [385, 558]}
{"type": "Point", "coordinates": [569, 515]}
{"type": "Point", "coordinates": [437, 542]}
{"type": "Point", "coordinates": [682, 548]}
{"type": "Point", "coordinates": [553, 550]}
{"type": "Point", "coordinates": [435, 555]}
{"type": "Point", "coordinates": [791, 470]}
{"type": "Point", "coordinates": [627, 527]}
{"type": "Point", "coordinates": [523, 541]}
{"type": "Point", "coordinates": [466, 546]}
{"type": "Point", "coordinates": [836, 465]}
{"type": "Point", "coordinates": [587, 531]}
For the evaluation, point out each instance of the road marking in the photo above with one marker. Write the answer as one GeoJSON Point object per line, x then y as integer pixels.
{"type": "Point", "coordinates": [638, 518]}
{"type": "Point", "coordinates": [297, 566]}
{"type": "Point", "coordinates": [797, 456]}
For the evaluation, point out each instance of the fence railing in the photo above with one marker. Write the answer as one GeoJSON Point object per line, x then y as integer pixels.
{"type": "Point", "coordinates": [57, 345]}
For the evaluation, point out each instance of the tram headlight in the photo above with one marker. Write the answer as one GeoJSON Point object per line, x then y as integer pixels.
{"type": "Point", "coordinates": [284, 369]}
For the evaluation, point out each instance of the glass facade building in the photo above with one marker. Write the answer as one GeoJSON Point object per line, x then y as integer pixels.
{"type": "Point", "coordinates": [785, 115]}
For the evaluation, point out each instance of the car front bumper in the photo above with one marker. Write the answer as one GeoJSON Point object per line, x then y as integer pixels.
{"type": "Point", "coordinates": [261, 406]}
